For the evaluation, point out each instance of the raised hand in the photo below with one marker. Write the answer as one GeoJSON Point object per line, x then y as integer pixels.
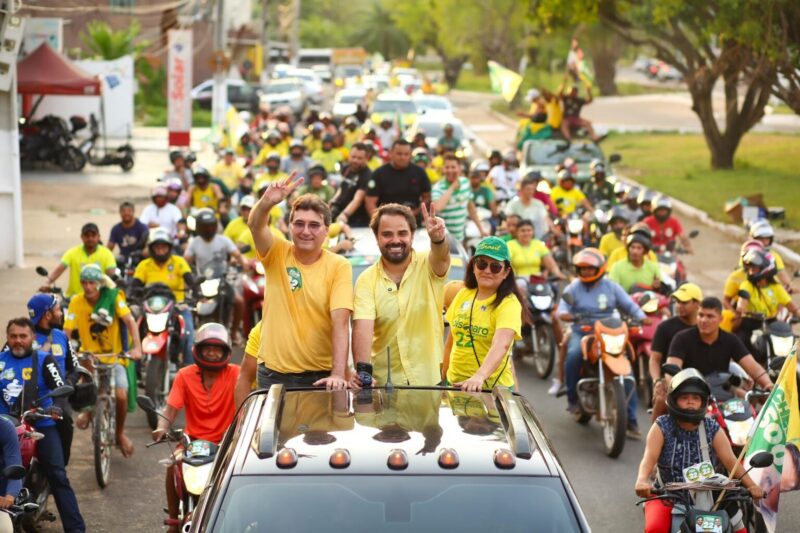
{"type": "Point", "coordinates": [433, 224]}
{"type": "Point", "coordinates": [279, 190]}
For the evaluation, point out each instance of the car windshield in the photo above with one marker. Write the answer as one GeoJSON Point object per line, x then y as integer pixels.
{"type": "Point", "coordinates": [436, 129]}
{"type": "Point", "coordinates": [395, 503]}
{"type": "Point", "coordinates": [433, 104]}
{"type": "Point", "coordinates": [394, 106]}
{"type": "Point", "coordinates": [350, 98]}
{"type": "Point", "coordinates": [281, 87]}
{"type": "Point", "coordinates": [553, 152]}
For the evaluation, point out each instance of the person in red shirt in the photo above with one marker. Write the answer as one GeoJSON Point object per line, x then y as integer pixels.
{"type": "Point", "coordinates": [205, 390]}
{"type": "Point", "coordinates": [666, 228]}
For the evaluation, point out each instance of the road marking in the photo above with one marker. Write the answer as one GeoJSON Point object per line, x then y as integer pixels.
{"type": "Point", "coordinates": [489, 127]}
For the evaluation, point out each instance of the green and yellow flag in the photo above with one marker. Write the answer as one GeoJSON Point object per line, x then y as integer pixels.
{"type": "Point", "coordinates": [504, 81]}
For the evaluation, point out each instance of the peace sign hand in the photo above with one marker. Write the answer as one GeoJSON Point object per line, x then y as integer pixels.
{"type": "Point", "coordinates": [279, 190]}
{"type": "Point", "coordinates": [434, 225]}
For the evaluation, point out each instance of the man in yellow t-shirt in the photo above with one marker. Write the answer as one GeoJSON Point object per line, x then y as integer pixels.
{"type": "Point", "coordinates": [308, 298]}
{"type": "Point", "coordinates": [203, 193]}
{"type": "Point", "coordinates": [613, 239]}
{"type": "Point", "coordinates": [238, 225]}
{"type": "Point", "coordinates": [74, 259]}
{"type": "Point", "coordinates": [527, 261]}
{"type": "Point", "coordinates": [273, 172]}
{"type": "Point", "coordinates": [567, 196]}
{"type": "Point", "coordinates": [100, 336]}
{"type": "Point", "coordinates": [399, 299]}
{"type": "Point", "coordinates": [229, 170]}
{"type": "Point", "coordinates": [327, 156]}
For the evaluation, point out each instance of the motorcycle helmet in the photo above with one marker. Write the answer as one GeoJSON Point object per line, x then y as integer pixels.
{"type": "Point", "coordinates": [590, 257]}
{"type": "Point", "coordinates": [645, 197]}
{"type": "Point", "coordinates": [564, 175]}
{"type": "Point", "coordinates": [157, 191]}
{"type": "Point", "coordinates": [206, 223]}
{"type": "Point", "coordinates": [510, 157]}
{"type": "Point", "coordinates": [617, 213]}
{"type": "Point", "coordinates": [92, 272]}
{"type": "Point", "coordinates": [272, 134]}
{"type": "Point", "coordinates": [159, 235]}
{"type": "Point", "coordinates": [317, 170]}
{"type": "Point", "coordinates": [632, 194]}
{"type": "Point", "coordinates": [274, 156]}
{"type": "Point", "coordinates": [175, 155]}
{"type": "Point", "coordinates": [174, 184]}
{"type": "Point", "coordinates": [642, 229]}
{"type": "Point", "coordinates": [351, 121]}
{"type": "Point", "coordinates": [662, 208]}
{"type": "Point", "coordinates": [85, 395]}
{"type": "Point", "coordinates": [597, 167]}
{"type": "Point", "coordinates": [761, 229]}
{"type": "Point", "coordinates": [620, 189]}
{"type": "Point", "coordinates": [762, 261]}
{"type": "Point", "coordinates": [533, 174]}
{"type": "Point", "coordinates": [211, 334]}
{"type": "Point", "coordinates": [641, 239]}
{"type": "Point", "coordinates": [420, 154]}
{"type": "Point", "coordinates": [479, 165]}
{"type": "Point", "coordinates": [751, 244]}
{"type": "Point", "coordinates": [688, 381]}
{"type": "Point", "coordinates": [201, 171]}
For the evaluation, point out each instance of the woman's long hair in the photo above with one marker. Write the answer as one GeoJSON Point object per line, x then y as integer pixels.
{"type": "Point", "coordinates": [508, 286]}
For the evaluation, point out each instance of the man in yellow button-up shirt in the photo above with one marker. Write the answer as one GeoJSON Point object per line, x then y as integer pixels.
{"type": "Point", "coordinates": [398, 300]}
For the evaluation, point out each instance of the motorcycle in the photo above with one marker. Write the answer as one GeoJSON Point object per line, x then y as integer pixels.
{"type": "Point", "coordinates": [606, 367]}
{"type": "Point", "coordinates": [253, 282]}
{"type": "Point", "coordinates": [653, 305]}
{"type": "Point", "coordinates": [216, 293]}
{"type": "Point", "coordinates": [573, 230]}
{"type": "Point", "coordinates": [49, 140]}
{"type": "Point", "coordinates": [192, 465]}
{"type": "Point", "coordinates": [673, 271]}
{"type": "Point", "coordinates": [162, 330]}
{"type": "Point", "coordinates": [122, 156]}
{"type": "Point", "coordinates": [543, 343]}
{"type": "Point", "coordinates": [686, 517]}
{"type": "Point", "coordinates": [36, 488]}
{"type": "Point", "coordinates": [735, 415]}
{"type": "Point", "coordinates": [773, 342]}
{"type": "Point", "coordinates": [18, 510]}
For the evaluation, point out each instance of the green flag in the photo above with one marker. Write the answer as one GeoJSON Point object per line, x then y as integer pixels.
{"type": "Point", "coordinates": [504, 81]}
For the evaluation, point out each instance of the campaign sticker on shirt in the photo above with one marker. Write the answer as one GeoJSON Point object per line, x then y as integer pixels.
{"type": "Point", "coordinates": [295, 278]}
{"type": "Point", "coordinates": [602, 302]}
{"type": "Point", "coordinates": [371, 184]}
{"type": "Point", "coordinates": [668, 232]}
{"type": "Point", "coordinates": [56, 350]}
{"type": "Point", "coordinates": [9, 374]}
{"type": "Point", "coordinates": [12, 391]}
{"type": "Point", "coordinates": [170, 267]}
{"type": "Point", "coordinates": [27, 373]}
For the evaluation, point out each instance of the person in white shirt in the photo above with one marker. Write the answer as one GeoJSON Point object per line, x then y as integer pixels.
{"type": "Point", "coordinates": [161, 213]}
{"type": "Point", "coordinates": [505, 176]}
{"type": "Point", "coordinates": [387, 132]}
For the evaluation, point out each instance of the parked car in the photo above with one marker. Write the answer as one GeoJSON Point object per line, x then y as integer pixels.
{"type": "Point", "coordinates": [346, 101]}
{"type": "Point", "coordinates": [241, 95]}
{"type": "Point", "coordinates": [286, 91]}
{"type": "Point", "coordinates": [544, 154]}
{"type": "Point", "coordinates": [398, 459]}
{"type": "Point", "coordinates": [433, 126]}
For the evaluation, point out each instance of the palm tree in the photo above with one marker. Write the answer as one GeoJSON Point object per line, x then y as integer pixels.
{"type": "Point", "coordinates": [379, 33]}
{"type": "Point", "coordinates": [110, 44]}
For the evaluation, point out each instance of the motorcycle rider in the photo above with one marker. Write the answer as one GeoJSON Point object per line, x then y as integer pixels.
{"type": "Point", "coordinates": [74, 259]}
{"type": "Point", "coordinates": [665, 227]}
{"type": "Point", "coordinates": [297, 160]}
{"type": "Point", "coordinates": [172, 270]}
{"type": "Point", "coordinates": [46, 316]}
{"type": "Point", "coordinates": [674, 444]}
{"type": "Point", "coordinates": [621, 253]}
{"type": "Point", "coordinates": [130, 234]}
{"type": "Point", "coordinates": [180, 168]}
{"type": "Point", "coordinates": [504, 176]}
{"type": "Point", "coordinates": [598, 189]}
{"type": "Point", "coordinates": [597, 297]}
{"type": "Point", "coordinates": [630, 202]}
{"type": "Point", "coordinates": [567, 196]}
{"type": "Point", "coordinates": [617, 221]}
{"type": "Point", "coordinates": [645, 202]}
{"type": "Point", "coordinates": [687, 304]}
{"type": "Point", "coordinates": [327, 155]}
{"type": "Point", "coordinates": [161, 213]}
{"type": "Point", "coordinates": [18, 364]}
{"type": "Point", "coordinates": [762, 231]}
{"type": "Point", "coordinates": [206, 194]}
{"type": "Point", "coordinates": [635, 271]}
{"type": "Point", "coordinates": [273, 173]}
{"type": "Point", "coordinates": [205, 390]}
{"type": "Point", "coordinates": [528, 207]}
{"type": "Point", "coordinates": [482, 195]}
{"type": "Point", "coordinates": [229, 170]}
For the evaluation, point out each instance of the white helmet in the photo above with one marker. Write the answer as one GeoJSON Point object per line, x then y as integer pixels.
{"type": "Point", "coordinates": [761, 229]}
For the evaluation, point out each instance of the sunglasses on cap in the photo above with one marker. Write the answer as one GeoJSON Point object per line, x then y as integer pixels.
{"type": "Point", "coordinates": [494, 268]}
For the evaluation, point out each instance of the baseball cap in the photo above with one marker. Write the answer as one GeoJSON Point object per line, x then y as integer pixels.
{"type": "Point", "coordinates": [493, 247]}
{"type": "Point", "coordinates": [688, 291]}
{"type": "Point", "coordinates": [229, 151]}
{"type": "Point", "coordinates": [90, 227]}
{"type": "Point", "coordinates": [247, 201]}
{"type": "Point", "coordinates": [38, 305]}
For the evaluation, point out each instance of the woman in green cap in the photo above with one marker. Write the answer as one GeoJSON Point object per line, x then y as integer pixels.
{"type": "Point", "coordinates": [485, 318]}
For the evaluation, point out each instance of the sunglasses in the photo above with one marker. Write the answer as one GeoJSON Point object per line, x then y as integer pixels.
{"type": "Point", "coordinates": [494, 268]}
{"type": "Point", "coordinates": [299, 225]}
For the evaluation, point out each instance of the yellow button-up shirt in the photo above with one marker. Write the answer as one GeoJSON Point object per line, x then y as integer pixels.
{"type": "Point", "coordinates": [408, 320]}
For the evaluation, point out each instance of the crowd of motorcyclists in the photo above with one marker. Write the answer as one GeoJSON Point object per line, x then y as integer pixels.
{"type": "Point", "coordinates": [279, 206]}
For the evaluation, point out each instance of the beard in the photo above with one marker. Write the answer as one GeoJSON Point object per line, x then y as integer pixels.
{"type": "Point", "coordinates": [395, 253]}
{"type": "Point", "coordinates": [20, 351]}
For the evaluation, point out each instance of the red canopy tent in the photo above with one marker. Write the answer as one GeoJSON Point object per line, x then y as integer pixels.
{"type": "Point", "coordinates": [45, 71]}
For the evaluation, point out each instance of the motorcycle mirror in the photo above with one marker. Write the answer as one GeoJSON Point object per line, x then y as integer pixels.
{"type": "Point", "coordinates": [42, 271]}
{"type": "Point", "coordinates": [245, 249]}
{"type": "Point", "coordinates": [145, 403]}
{"type": "Point", "coordinates": [614, 158]}
{"type": "Point", "coordinates": [644, 298]}
{"type": "Point", "coordinates": [694, 233]}
{"type": "Point", "coordinates": [777, 363]}
{"type": "Point", "coordinates": [762, 460]}
{"type": "Point", "coordinates": [671, 369]}
{"type": "Point", "coordinates": [14, 472]}
{"type": "Point", "coordinates": [743, 294]}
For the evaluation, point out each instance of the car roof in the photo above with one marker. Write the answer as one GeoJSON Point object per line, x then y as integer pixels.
{"type": "Point", "coordinates": [372, 424]}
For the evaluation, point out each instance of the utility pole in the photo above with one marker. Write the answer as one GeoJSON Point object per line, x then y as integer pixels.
{"type": "Point", "coordinates": [219, 98]}
{"type": "Point", "coordinates": [295, 37]}
{"type": "Point", "coordinates": [265, 51]}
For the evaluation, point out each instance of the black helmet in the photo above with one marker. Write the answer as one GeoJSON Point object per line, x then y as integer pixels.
{"type": "Point", "coordinates": [201, 171]}
{"type": "Point", "coordinates": [159, 235]}
{"type": "Point", "coordinates": [763, 261]}
{"type": "Point", "coordinates": [641, 239]}
{"type": "Point", "coordinates": [175, 155]}
{"type": "Point", "coordinates": [617, 213]}
{"type": "Point", "coordinates": [85, 395]}
{"type": "Point", "coordinates": [211, 333]}
{"type": "Point", "coordinates": [317, 170]}
{"type": "Point", "coordinates": [688, 381]}
{"type": "Point", "coordinates": [206, 223]}
{"type": "Point", "coordinates": [565, 174]}
{"type": "Point", "coordinates": [597, 167]}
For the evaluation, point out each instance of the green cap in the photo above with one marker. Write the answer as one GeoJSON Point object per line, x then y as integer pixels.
{"type": "Point", "coordinates": [493, 247]}
{"type": "Point", "coordinates": [91, 272]}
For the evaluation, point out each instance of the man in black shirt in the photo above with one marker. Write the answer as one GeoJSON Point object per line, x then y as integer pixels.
{"type": "Point", "coordinates": [572, 121]}
{"type": "Point", "coordinates": [398, 181]}
{"type": "Point", "coordinates": [709, 349]}
{"type": "Point", "coordinates": [687, 303]}
{"type": "Point", "coordinates": [348, 204]}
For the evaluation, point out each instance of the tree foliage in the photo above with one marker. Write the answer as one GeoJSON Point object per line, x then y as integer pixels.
{"type": "Point", "coordinates": [108, 44]}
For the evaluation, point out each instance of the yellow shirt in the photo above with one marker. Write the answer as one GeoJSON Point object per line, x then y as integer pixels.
{"type": "Point", "coordinates": [234, 228]}
{"type": "Point", "coordinates": [230, 175]}
{"type": "Point", "coordinates": [486, 320]}
{"type": "Point", "coordinates": [408, 321]}
{"type": "Point", "coordinates": [610, 242]}
{"type": "Point", "coordinates": [527, 261]}
{"type": "Point", "coordinates": [733, 282]}
{"type": "Point", "coordinates": [253, 341]}
{"type": "Point", "coordinates": [76, 258]}
{"type": "Point", "coordinates": [554, 113]}
{"type": "Point", "coordinates": [266, 177]}
{"type": "Point", "coordinates": [170, 274]}
{"type": "Point", "coordinates": [569, 199]}
{"type": "Point", "coordinates": [622, 253]}
{"type": "Point", "coordinates": [327, 159]}
{"type": "Point", "coordinates": [282, 148]}
{"type": "Point", "coordinates": [351, 137]}
{"type": "Point", "coordinates": [312, 144]}
{"type": "Point", "coordinates": [204, 198]}
{"type": "Point", "coordinates": [79, 318]}
{"type": "Point", "coordinates": [433, 176]}
{"type": "Point", "coordinates": [246, 238]}
{"type": "Point", "coordinates": [298, 300]}
{"type": "Point", "coordinates": [765, 300]}
{"type": "Point", "coordinates": [374, 163]}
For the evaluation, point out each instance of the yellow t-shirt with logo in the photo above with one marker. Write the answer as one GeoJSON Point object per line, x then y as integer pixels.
{"type": "Point", "coordinates": [327, 159]}
{"type": "Point", "coordinates": [230, 175]}
{"type": "Point", "coordinates": [298, 300]}
{"type": "Point", "coordinates": [312, 144]}
{"type": "Point", "coordinates": [567, 201]}
{"type": "Point", "coordinates": [765, 300]}
{"type": "Point", "coordinates": [610, 242]}
{"type": "Point", "coordinates": [486, 320]}
{"type": "Point", "coordinates": [622, 253]}
{"type": "Point", "coordinates": [408, 320]}
{"type": "Point", "coordinates": [76, 258]}
{"type": "Point", "coordinates": [79, 318]}
{"type": "Point", "coordinates": [733, 282]}
{"type": "Point", "coordinates": [170, 274]}
{"type": "Point", "coordinates": [527, 260]}
{"type": "Point", "coordinates": [204, 198]}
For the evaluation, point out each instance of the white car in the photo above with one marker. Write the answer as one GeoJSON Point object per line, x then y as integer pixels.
{"type": "Point", "coordinates": [286, 91]}
{"type": "Point", "coordinates": [430, 103]}
{"type": "Point", "coordinates": [311, 81]}
{"type": "Point", "coordinates": [346, 101]}
{"type": "Point", "coordinates": [324, 72]}
{"type": "Point", "coordinates": [433, 126]}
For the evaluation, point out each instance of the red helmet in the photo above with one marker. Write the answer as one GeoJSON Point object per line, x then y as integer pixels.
{"type": "Point", "coordinates": [208, 334]}
{"type": "Point", "coordinates": [590, 257]}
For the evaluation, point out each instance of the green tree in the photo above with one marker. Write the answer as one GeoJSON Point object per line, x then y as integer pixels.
{"type": "Point", "coordinates": [378, 32]}
{"type": "Point", "coordinates": [109, 44]}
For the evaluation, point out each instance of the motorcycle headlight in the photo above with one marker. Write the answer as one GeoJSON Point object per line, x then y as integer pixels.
{"type": "Point", "coordinates": [668, 269]}
{"type": "Point", "coordinates": [782, 346]}
{"type": "Point", "coordinates": [738, 430]}
{"type": "Point", "coordinates": [614, 343]}
{"type": "Point", "coordinates": [210, 288]}
{"type": "Point", "coordinates": [542, 303]}
{"type": "Point", "coordinates": [575, 225]}
{"type": "Point", "coordinates": [157, 323]}
{"type": "Point", "coordinates": [196, 477]}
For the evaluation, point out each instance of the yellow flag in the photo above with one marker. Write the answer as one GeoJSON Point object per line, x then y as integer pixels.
{"type": "Point", "coordinates": [504, 81]}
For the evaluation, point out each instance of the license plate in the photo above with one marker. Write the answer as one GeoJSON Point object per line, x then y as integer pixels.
{"type": "Point", "coordinates": [733, 407]}
{"type": "Point", "coordinates": [708, 524]}
{"type": "Point", "coordinates": [199, 448]}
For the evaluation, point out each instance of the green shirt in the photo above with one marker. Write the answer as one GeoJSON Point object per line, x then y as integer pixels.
{"type": "Point", "coordinates": [482, 197]}
{"type": "Point", "coordinates": [627, 275]}
{"type": "Point", "coordinates": [455, 213]}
